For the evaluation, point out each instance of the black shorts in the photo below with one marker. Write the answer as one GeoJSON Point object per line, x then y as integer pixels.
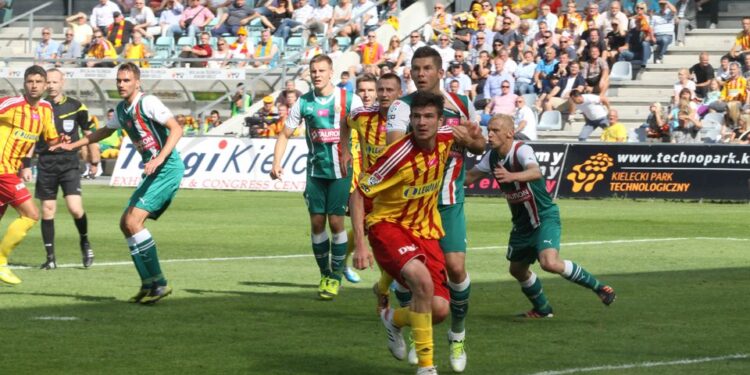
{"type": "Point", "coordinates": [47, 183]}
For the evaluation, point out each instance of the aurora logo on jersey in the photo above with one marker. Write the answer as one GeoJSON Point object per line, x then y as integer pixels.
{"type": "Point", "coordinates": [412, 192]}
{"type": "Point", "coordinates": [325, 135]}
{"type": "Point", "coordinates": [518, 196]}
{"type": "Point", "coordinates": [26, 136]}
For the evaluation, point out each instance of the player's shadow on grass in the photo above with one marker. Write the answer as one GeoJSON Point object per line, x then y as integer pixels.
{"type": "Point", "coordinates": [78, 297]}
{"type": "Point", "coordinates": [278, 284]}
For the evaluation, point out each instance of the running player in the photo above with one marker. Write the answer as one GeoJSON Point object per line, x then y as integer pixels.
{"type": "Point", "coordinates": [23, 119]}
{"type": "Point", "coordinates": [404, 225]}
{"type": "Point", "coordinates": [536, 219]}
{"type": "Point", "coordinates": [426, 70]}
{"type": "Point", "coordinates": [155, 133]}
{"type": "Point", "coordinates": [61, 170]}
{"type": "Point", "coordinates": [323, 109]}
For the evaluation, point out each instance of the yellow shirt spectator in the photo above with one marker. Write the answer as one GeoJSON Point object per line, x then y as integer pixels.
{"type": "Point", "coordinates": [526, 9]}
{"type": "Point", "coordinates": [615, 133]}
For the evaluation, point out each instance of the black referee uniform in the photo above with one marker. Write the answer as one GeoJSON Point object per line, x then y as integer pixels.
{"type": "Point", "coordinates": [61, 169]}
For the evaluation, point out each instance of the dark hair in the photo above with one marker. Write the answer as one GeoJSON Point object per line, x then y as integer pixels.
{"type": "Point", "coordinates": [575, 93]}
{"type": "Point", "coordinates": [35, 70]}
{"type": "Point", "coordinates": [366, 78]}
{"type": "Point", "coordinates": [424, 99]}
{"type": "Point", "coordinates": [425, 51]}
{"type": "Point", "coordinates": [130, 67]}
{"type": "Point", "coordinates": [215, 111]}
{"type": "Point", "coordinates": [319, 58]}
{"type": "Point", "coordinates": [390, 76]}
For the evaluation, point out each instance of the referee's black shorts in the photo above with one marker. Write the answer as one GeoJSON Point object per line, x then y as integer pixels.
{"type": "Point", "coordinates": [52, 174]}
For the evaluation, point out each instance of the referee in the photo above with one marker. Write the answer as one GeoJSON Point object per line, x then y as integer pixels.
{"type": "Point", "coordinates": [61, 169]}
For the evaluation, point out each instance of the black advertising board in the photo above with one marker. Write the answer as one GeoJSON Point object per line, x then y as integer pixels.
{"type": "Point", "coordinates": [656, 171]}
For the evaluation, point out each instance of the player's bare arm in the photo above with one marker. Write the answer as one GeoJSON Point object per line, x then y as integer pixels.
{"type": "Point", "coordinates": [91, 138]}
{"type": "Point", "coordinates": [346, 151]}
{"type": "Point", "coordinates": [175, 133]}
{"type": "Point", "coordinates": [278, 152]}
{"type": "Point", "coordinates": [473, 175]}
{"type": "Point", "coordinates": [362, 257]}
{"type": "Point", "coordinates": [531, 173]}
{"type": "Point", "coordinates": [469, 135]}
{"type": "Point", "coordinates": [93, 154]}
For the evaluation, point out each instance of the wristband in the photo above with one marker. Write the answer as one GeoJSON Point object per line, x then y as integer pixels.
{"type": "Point", "coordinates": [26, 162]}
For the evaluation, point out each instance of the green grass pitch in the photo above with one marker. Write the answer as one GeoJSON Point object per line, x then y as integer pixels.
{"type": "Point", "coordinates": [245, 295]}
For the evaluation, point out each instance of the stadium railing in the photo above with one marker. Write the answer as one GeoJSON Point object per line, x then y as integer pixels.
{"type": "Point", "coordinates": [30, 14]}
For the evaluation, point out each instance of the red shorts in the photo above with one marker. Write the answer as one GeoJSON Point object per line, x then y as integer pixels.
{"type": "Point", "coordinates": [12, 191]}
{"type": "Point", "coordinates": [394, 246]}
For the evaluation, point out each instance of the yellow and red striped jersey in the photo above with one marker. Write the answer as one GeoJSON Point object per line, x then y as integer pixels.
{"type": "Point", "coordinates": [20, 128]}
{"type": "Point", "coordinates": [405, 185]}
{"type": "Point", "coordinates": [743, 40]}
{"type": "Point", "coordinates": [370, 134]}
{"type": "Point", "coordinates": [735, 89]}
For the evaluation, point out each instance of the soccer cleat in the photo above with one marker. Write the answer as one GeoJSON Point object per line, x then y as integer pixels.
{"type": "Point", "coordinates": [49, 264]}
{"type": "Point", "coordinates": [351, 275]}
{"type": "Point", "coordinates": [396, 343]}
{"type": "Point", "coordinates": [157, 293]}
{"type": "Point", "coordinates": [383, 301]}
{"type": "Point", "coordinates": [322, 285]}
{"type": "Point", "coordinates": [7, 276]}
{"type": "Point", "coordinates": [457, 354]}
{"type": "Point", "coordinates": [411, 357]}
{"type": "Point", "coordinates": [88, 253]}
{"type": "Point", "coordinates": [606, 294]}
{"type": "Point", "coordinates": [143, 292]}
{"type": "Point", "coordinates": [331, 289]}
{"type": "Point", "coordinates": [533, 314]}
{"type": "Point", "coordinates": [432, 370]}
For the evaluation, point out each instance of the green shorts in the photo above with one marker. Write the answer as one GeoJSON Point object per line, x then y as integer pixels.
{"type": "Point", "coordinates": [325, 196]}
{"type": "Point", "coordinates": [525, 245]}
{"type": "Point", "coordinates": [454, 225]}
{"type": "Point", "coordinates": [155, 192]}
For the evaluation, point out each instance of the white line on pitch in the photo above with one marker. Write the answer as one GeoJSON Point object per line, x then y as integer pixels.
{"type": "Point", "coordinates": [687, 361]}
{"type": "Point", "coordinates": [263, 257]}
{"type": "Point", "coordinates": [56, 318]}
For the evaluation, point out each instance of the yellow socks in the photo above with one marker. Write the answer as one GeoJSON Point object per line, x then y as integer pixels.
{"type": "Point", "coordinates": [13, 236]}
{"type": "Point", "coordinates": [421, 330]}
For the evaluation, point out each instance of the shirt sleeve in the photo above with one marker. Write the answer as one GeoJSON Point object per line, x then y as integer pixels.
{"type": "Point", "coordinates": [484, 164]}
{"type": "Point", "coordinates": [155, 109]}
{"type": "Point", "coordinates": [355, 104]}
{"type": "Point", "coordinates": [398, 117]}
{"type": "Point", "coordinates": [525, 156]}
{"type": "Point", "coordinates": [50, 131]}
{"type": "Point", "coordinates": [377, 179]}
{"type": "Point", "coordinates": [295, 116]}
{"type": "Point", "coordinates": [82, 118]}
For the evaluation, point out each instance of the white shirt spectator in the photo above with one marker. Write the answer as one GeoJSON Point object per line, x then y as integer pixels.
{"type": "Point", "coordinates": [101, 15]}
{"type": "Point", "coordinates": [622, 22]}
{"type": "Point", "coordinates": [510, 67]}
{"type": "Point", "coordinates": [525, 72]}
{"type": "Point", "coordinates": [447, 53]}
{"type": "Point", "coordinates": [464, 83]}
{"type": "Point", "coordinates": [303, 14]}
{"type": "Point", "coordinates": [592, 107]}
{"type": "Point", "coordinates": [141, 16]}
{"type": "Point", "coordinates": [526, 114]}
{"type": "Point", "coordinates": [320, 13]}
{"type": "Point", "coordinates": [550, 19]}
{"type": "Point", "coordinates": [408, 51]}
{"type": "Point", "coordinates": [82, 32]}
{"type": "Point", "coordinates": [362, 9]}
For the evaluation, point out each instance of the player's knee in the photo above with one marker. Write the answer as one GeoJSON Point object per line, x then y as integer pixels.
{"type": "Point", "coordinates": [456, 271]}
{"type": "Point", "coordinates": [552, 265]}
{"type": "Point", "coordinates": [519, 273]}
{"type": "Point", "coordinates": [32, 214]}
{"type": "Point", "coordinates": [440, 310]}
{"type": "Point", "coordinates": [48, 212]}
{"type": "Point", "coordinates": [129, 225]}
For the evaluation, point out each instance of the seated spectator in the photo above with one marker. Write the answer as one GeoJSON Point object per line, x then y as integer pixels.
{"type": "Point", "coordinates": [365, 16]}
{"type": "Point", "coordinates": [82, 31]}
{"type": "Point", "coordinates": [525, 120]}
{"type": "Point", "coordinates": [617, 42]}
{"type": "Point", "coordinates": [505, 103]}
{"type": "Point", "coordinates": [543, 36]}
{"type": "Point", "coordinates": [722, 72]}
{"type": "Point", "coordinates": [683, 82]}
{"type": "Point", "coordinates": [339, 23]}
{"type": "Point", "coordinates": [741, 44]}
{"type": "Point", "coordinates": [524, 75]}
{"type": "Point", "coordinates": [741, 135]}
{"type": "Point", "coordinates": [454, 87]}
{"type": "Point", "coordinates": [445, 50]}
{"type": "Point", "coordinates": [561, 69]}
{"type": "Point", "coordinates": [407, 51]}
{"type": "Point", "coordinates": [640, 37]}
{"type": "Point", "coordinates": [137, 50]}
{"type": "Point", "coordinates": [479, 74]}
{"type": "Point", "coordinates": [47, 48]}
{"type": "Point", "coordinates": [300, 17]}
{"type": "Point", "coordinates": [662, 21]}
{"type": "Point", "coordinates": [334, 51]}
{"type": "Point", "coordinates": [686, 17]}
{"type": "Point", "coordinates": [567, 48]}
{"type": "Point", "coordinates": [547, 44]}
{"type": "Point", "coordinates": [143, 17]}
{"type": "Point", "coordinates": [222, 52]}
{"type": "Point", "coordinates": [100, 48]}
{"type": "Point", "coordinates": [289, 86]}
{"type": "Point", "coordinates": [321, 17]}
{"type": "Point", "coordinates": [212, 121]}
{"type": "Point", "coordinates": [102, 15]}
{"type": "Point", "coordinates": [266, 52]}
{"type": "Point", "coordinates": [237, 15]}
{"type": "Point", "coordinates": [441, 23]}
{"type": "Point", "coordinates": [370, 52]}
{"type": "Point", "coordinates": [493, 86]}
{"type": "Point", "coordinates": [554, 5]}
{"type": "Point", "coordinates": [593, 15]}
{"type": "Point", "coordinates": [456, 73]}
{"type": "Point", "coordinates": [596, 73]}
{"type": "Point", "coordinates": [273, 129]}
{"type": "Point", "coordinates": [616, 16]}
{"type": "Point", "coordinates": [312, 49]}
{"type": "Point", "coordinates": [242, 48]}
{"type": "Point", "coordinates": [345, 82]}
{"type": "Point", "coordinates": [526, 9]}
{"type": "Point", "coordinates": [595, 110]}
{"type": "Point", "coordinates": [118, 33]}
{"type": "Point", "coordinates": [557, 99]}
{"type": "Point", "coordinates": [241, 101]}
{"type": "Point", "coordinates": [594, 40]}
{"type": "Point", "coordinates": [713, 94]}
{"type": "Point", "coordinates": [571, 16]}
{"type": "Point", "coordinates": [460, 58]}
{"type": "Point", "coordinates": [687, 123]}
{"type": "Point", "coordinates": [544, 68]}
{"type": "Point", "coordinates": [68, 50]}
{"type": "Point", "coordinates": [393, 53]}
{"type": "Point", "coordinates": [657, 130]}
{"type": "Point", "coordinates": [616, 131]}
{"type": "Point", "coordinates": [193, 19]}
{"type": "Point", "coordinates": [126, 5]}
{"type": "Point", "coordinates": [734, 90]}
{"type": "Point", "coordinates": [465, 25]}
{"type": "Point", "coordinates": [201, 50]}
{"type": "Point", "coordinates": [488, 13]}
{"type": "Point", "coordinates": [515, 21]}
{"type": "Point", "coordinates": [217, 7]}
{"type": "Point", "coordinates": [548, 17]}
{"type": "Point", "coordinates": [169, 18]}
{"type": "Point", "coordinates": [268, 110]}
{"type": "Point", "coordinates": [189, 128]}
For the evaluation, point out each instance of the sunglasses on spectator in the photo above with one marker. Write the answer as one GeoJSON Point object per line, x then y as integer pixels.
{"type": "Point", "coordinates": [438, 7]}
{"type": "Point", "coordinates": [371, 36]}
{"type": "Point", "coordinates": [414, 36]}
{"type": "Point", "coordinates": [443, 40]}
{"type": "Point", "coordinates": [482, 24]}
{"type": "Point", "coordinates": [505, 87]}
{"type": "Point", "coordinates": [45, 32]}
{"type": "Point", "coordinates": [507, 23]}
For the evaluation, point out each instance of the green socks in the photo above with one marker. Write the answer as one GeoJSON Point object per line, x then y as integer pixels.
{"type": "Point", "coordinates": [338, 254]}
{"type": "Point", "coordinates": [532, 288]}
{"type": "Point", "coordinates": [459, 303]}
{"type": "Point", "coordinates": [321, 246]}
{"type": "Point", "coordinates": [146, 260]}
{"type": "Point", "coordinates": [580, 276]}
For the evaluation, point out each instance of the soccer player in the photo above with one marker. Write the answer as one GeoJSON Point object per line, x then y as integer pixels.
{"type": "Point", "coordinates": [61, 170]}
{"type": "Point", "coordinates": [404, 225]}
{"type": "Point", "coordinates": [23, 120]}
{"type": "Point", "coordinates": [154, 132]}
{"type": "Point", "coordinates": [536, 219]}
{"type": "Point", "coordinates": [323, 109]}
{"type": "Point", "coordinates": [367, 125]}
{"type": "Point", "coordinates": [426, 71]}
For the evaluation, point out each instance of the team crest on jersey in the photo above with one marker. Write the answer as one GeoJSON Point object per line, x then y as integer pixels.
{"type": "Point", "coordinates": [374, 179]}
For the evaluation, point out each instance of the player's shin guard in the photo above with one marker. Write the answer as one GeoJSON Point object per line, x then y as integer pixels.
{"type": "Point", "coordinates": [532, 288]}
{"type": "Point", "coordinates": [321, 246]}
{"type": "Point", "coordinates": [403, 295]}
{"type": "Point", "coordinates": [338, 254]}
{"type": "Point", "coordinates": [48, 237]}
{"type": "Point", "coordinates": [421, 330]}
{"type": "Point", "coordinates": [16, 232]}
{"type": "Point", "coordinates": [459, 303]}
{"type": "Point", "coordinates": [138, 262]}
{"type": "Point", "coordinates": [384, 282]}
{"type": "Point", "coordinates": [580, 276]}
{"type": "Point", "coordinates": [147, 250]}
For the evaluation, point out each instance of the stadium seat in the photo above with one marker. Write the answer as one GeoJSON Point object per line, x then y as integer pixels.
{"type": "Point", "coordinates": [8, 11]}
{"type": "Point", "coordinates": [279, 42]}
{"type": "Point", "coordinates": [550, 120]}
{"type": "Point", "coordinates": [295, 44]}
{"type": "Point", "coordinates": [164, 43]}
{"type": "Point", "coordinates": [185, 41]}
{"type": "Point", "coordinates": [621, 71]}
{"type": "Point", "coordinates": [711, 130]}
{"type": "Point", "coordinates": [230, 39]}
{"type": "Point", "coordinates": [530, 99]}
{"type": "Point", "coordinates": [344, 42]}
{"type": "Point", "coordinates": [212, 42]}
{"type": "Point", "coordinates": [158, 60]}
{"type": "Point", "coordinates": [255, 25]}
